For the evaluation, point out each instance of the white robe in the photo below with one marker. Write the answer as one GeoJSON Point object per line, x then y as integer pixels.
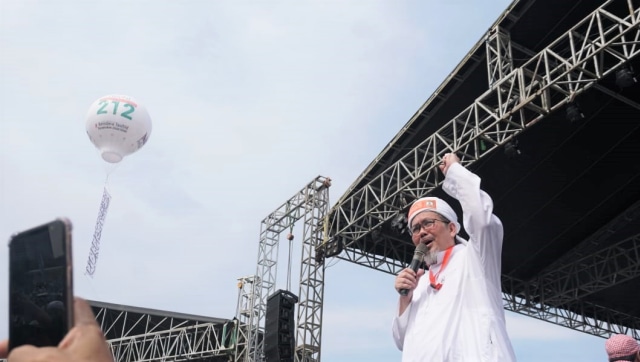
{"type": "Point", "coordinates": [464, 320]}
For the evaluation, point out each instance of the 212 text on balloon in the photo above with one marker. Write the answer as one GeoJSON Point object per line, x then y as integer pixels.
{"type": "Point", "coordinates": [125, 114]}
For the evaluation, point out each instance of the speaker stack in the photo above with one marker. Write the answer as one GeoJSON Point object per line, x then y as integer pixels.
{"type": "Point", "coordinates": [279, 330]}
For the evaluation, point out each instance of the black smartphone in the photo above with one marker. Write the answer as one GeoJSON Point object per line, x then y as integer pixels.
{"type": "Point", "coordinates": [40, 285]}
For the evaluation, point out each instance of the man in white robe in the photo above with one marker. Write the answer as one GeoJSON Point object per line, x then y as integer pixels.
{"type": "Point", "coordinates": [454, 311]}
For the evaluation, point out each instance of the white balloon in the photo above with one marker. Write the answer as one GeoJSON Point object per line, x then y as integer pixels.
{"type": "Point", "coordinates": [118, 126]}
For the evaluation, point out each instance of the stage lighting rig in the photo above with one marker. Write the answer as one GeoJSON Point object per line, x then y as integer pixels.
{"type": "Point", "coordinates": [573, 112]}
{"type": "Point", "coordinates": [375, 234]}
{"type": "Point", "coordinates": [331, 248]}
{"type": "Point", "coordinates": [511, 149]}
{"type": "Point", "coordinates": [399, 223]}
{"type": "Point", "coordinates": [625, 77]}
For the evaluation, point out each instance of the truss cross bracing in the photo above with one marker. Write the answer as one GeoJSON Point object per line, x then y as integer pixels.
{"type": "Point", "coordinates": [246, 314]}
{"type": "Point", "coordinates": [311, 204]}
{"type": "Point", "coordinates": [499, 55]}
{"type": "Point", "coordinates": [144, 337]}
{"type": "Point", "coordinates": [559, 293]}
{"type": "Point", "coordinates": [594, 48]}
{"type": "Point", "coordinates": [606, 323]}
{"type": "Point", "coordinates": [518, 98]}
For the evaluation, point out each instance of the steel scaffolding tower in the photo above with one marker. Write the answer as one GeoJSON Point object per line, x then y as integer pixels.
{"type": "Point", "coordinates": [312, 204]}
{"type": "Point", "coordinates": [517, 98]}
{"type": "Point", "coordinates": [246, 314]}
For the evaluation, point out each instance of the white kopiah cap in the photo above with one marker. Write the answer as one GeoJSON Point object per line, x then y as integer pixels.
{"type": "Point", "coordinates": [436, 205]}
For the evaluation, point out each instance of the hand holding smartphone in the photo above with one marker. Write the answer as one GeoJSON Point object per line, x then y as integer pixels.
{"type": "Point", "coordinates": [40, 285]}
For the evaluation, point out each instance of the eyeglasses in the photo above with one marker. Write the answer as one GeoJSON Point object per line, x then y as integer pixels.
{"type": "Point", "coordinates": [426, 223]}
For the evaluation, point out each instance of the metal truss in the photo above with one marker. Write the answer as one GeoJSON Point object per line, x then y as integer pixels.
{"type": "Point", "coordinates": [139, 336]}
{"type": "Point", "coordinates": [600, 238]}
{"type": "Point", "coordinates": [591, 50]}
{"type": "Point", "coordinates": [246, 314]}
{"type": "Point", "coordinates": [557, 295]}
{"type": "Point", "coordinates": [447, 88]}
{"type": "Point", "coordinates": [563, 290]}
{"type": "Point", "coordinates": [389, 260]}
{"type": "Point", "coordinates": [499, 63]}
{"type": "Point", "coordinates": [176, 344]}
{"type": "Point", "coordinates": [518, 98]}
{"type": "Point", "coordinates": [499, 55]}
{"type": "Point", "coordinates": [311, 203]}
{"type": "Point", "coordinates": [593, 273]}
{"type": "Point", "coordinates": [593, 266]}
{"type": "Point", "coordinates": [605, 323]}
{"type": "Point", "coordinates": [309, 325]}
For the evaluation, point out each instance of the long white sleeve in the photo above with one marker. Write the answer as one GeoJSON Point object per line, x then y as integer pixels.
{"type": "Point", "coordinates": [399, 326]}
{"type": "Point", "coordinates": [484, 228]}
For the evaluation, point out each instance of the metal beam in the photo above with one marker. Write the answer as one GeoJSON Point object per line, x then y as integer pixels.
{"type": "Point", "coordinates": [140, 336]}
{"type": "Point", "coordinates": [176, 344]}
{"type": "Point", "coordinates": [311, 290]}
{"type": "Point", "coordinates": [591, 50]}
{"type": "Point", "coordinates": [389, 260]}
{"type": "Point", "coordinates": [311, 202]}
{"type": "Point", "coordinates": [246, 315]}
{"type": "Point", "coordinates": [499, 55]}
{"type": "Point", "coordinates": [618, 96]}
{"type": "Point", "coordinates": [590, 274]}
{"type": "Point", "coordinates": [575, 315]}
{"type": "Point", "coordinates": [600, 238]}
{"type": "Point", "coordinates": [527, 298]}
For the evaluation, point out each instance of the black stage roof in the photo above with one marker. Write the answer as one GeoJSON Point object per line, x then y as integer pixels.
{"type": "Point", "coordinates": [573, 191]}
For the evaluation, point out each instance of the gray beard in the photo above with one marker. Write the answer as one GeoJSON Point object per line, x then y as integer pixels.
{"type": "Point", "coordinates": [431, 258]}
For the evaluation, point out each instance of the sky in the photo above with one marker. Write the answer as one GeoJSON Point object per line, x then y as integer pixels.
{"type": "Point", "coordinates": [249, 101]}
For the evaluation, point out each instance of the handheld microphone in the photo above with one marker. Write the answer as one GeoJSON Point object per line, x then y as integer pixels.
{"type": "Point", "coordinates": [418, 258]}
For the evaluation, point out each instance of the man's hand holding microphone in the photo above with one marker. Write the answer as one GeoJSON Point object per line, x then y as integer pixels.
{"type": "Point", "coordinates": [407, 279]}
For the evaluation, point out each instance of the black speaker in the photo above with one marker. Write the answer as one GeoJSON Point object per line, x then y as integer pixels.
{"type": "Point", "coordinates": [279, 329]}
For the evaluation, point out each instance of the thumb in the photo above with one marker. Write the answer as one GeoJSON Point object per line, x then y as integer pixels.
{"type": "Point", "coordinates": [420, 273]}
{"type": "Point", "coordinates": [83, 318]}
{"type": "Point", "coordinates": [86, 341]}
{"type": "Point", "coordinates": [4, 348]}
{"type": "Point", "coordinates": [83, 313]}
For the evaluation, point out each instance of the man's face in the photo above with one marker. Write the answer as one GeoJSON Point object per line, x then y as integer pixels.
{"type": "Point", "coordinates": [438, 235]}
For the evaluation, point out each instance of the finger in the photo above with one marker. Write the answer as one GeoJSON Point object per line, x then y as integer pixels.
{"type": "Point", "coordinates": [405, 281]}
{"type": "Point", "coordinates": [84, 318]}
{"type": "Point", "coordinates": [83, 313]}
{"type": "Point", "coordinates": [407, 286]}
{"type": "Point", "coordinates": [28, 353]}
{"type": "Point", "coordinates": [4, 348]}
{"type": "Point", "coordinates": [409, 271]}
